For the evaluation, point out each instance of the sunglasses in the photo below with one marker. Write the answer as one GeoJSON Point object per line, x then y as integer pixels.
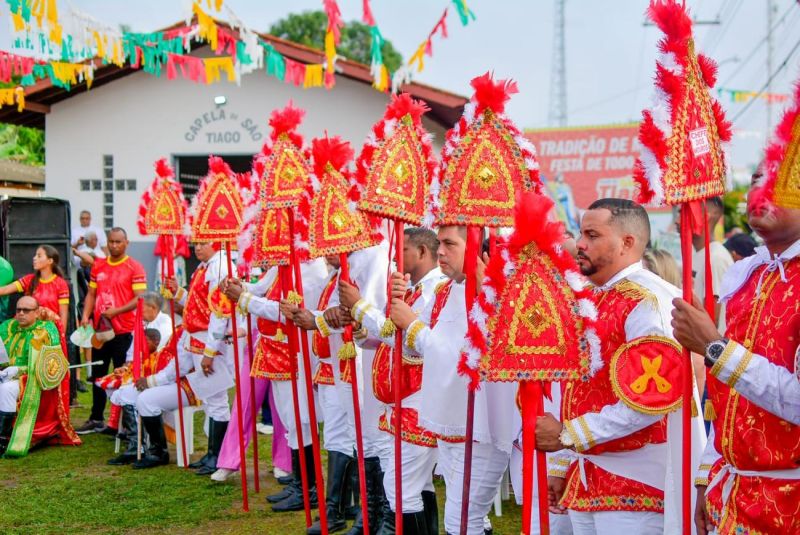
{"type": "Point", "coordinates": [25, 310]}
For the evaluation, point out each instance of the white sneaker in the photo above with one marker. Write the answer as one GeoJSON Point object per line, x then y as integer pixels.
{"type": "Point", "coordinates": [264, 429]}
{"type": "Point", "coordinates": [280, 473]}
{"type": "Point", "coordinates": [222, 474]}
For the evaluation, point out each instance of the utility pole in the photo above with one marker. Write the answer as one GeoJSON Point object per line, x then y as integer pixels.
{"type": "Point", "coordinates": [770, 54]}
{"type": "Point", "coordinates": [557, 115]}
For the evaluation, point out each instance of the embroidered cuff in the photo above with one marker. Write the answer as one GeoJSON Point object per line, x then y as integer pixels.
{"type": "Point", "coordinates": [577, 434]}
{"type": "Point", "coordinates": [557, 466]}
{"type": "Point", "coordinates": [210, 353]}
{"type": "Point", "coordinates": [322, 326]}
{"type": "Point", "coordinates": [360, 334]}
{"type": "Point", "coordinates": [702, 475]}
{"type": "Point", "coordinates": [412, 333]}
{"type": "Point", "coordinates": [180, 294]}
{"type": "Point", "coordinates": [360, 310]}
{"type": "Point", "coordinates": [732, 363]}
{"type": "Point", "coordinates": [243, 304]}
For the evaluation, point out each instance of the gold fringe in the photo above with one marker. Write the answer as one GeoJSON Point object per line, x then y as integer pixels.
{"type": "Point", "coordinates": [695, 412]}
{"type": "Point", "coordinates": [709, 414]}
{"type": "Point", "coordinates": [388, 329]}
{"type": "Point", "coordinates": [347, 351]}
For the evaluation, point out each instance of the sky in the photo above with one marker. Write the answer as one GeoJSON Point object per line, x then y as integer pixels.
{"type": "Point", "coordinates": [610, 53]}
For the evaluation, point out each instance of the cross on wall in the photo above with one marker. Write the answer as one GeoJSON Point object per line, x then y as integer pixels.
{"type": "Point", "coordinates": [108, 184]}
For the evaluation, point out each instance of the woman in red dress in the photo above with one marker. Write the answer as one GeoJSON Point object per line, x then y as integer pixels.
{"type": "Point", "coordinates": [48, 286]}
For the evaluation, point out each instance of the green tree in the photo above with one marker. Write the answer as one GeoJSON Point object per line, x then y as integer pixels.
{"type": "Point", "coordinates": [308, 28]}
{"type": "Point", "coordinates": [21, 144]}
{"type": "Point", "coordinates": [733, 204]}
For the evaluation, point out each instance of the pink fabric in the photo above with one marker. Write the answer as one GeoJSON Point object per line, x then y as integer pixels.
{"type": "Point", "coordinates": [281, 453]}
{"type": "Point", "coordinates": [229, 453]}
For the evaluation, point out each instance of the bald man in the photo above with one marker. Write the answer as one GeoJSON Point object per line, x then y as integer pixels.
{"type": "Point", "coordinates": [613, 438]}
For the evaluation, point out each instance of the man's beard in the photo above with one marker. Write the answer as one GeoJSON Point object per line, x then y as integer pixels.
{"type": "Point", "coordinates": [586, 270]}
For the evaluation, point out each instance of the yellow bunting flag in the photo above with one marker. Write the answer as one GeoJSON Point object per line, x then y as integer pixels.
{"type": "Point", "coordinates": [11, 95]}
{"type": "Point", "coordinates": [214, 66]}
{"type": "Point", "coordinates": [313, 76]}
{"type": "Point", "coordinates": [207, 28]}
{"type": "Point", "coordinates": [67, 73]}
{"type": "Point", "coordinates": [418, 58]}
{"type": "Point", "coordinates": [330, 51]}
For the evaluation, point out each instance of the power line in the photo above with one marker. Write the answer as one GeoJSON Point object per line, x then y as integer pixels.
{"type": "Point", "coordinates": [730, 18]}
{"type": "Point", "coordinates": [758, 46]}
{"type": "Point", "coordinates": [772, 76]}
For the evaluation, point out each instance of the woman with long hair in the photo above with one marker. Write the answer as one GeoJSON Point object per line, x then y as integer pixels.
{"type": "Point", "coordinates": [49, 287]}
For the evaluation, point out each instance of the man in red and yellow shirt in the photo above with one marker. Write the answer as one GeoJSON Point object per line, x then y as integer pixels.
{"type": "Point", "coordinates": [114, 286]}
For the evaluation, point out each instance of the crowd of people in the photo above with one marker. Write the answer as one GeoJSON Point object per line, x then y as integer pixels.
{"type": "Point", "coordinates": [637, 286]}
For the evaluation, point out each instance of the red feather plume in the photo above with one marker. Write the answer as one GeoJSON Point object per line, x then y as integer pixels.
{"type": "Point", "coordinates": [492, 95]}
{"type": "Point", "coordinates": [285, 122]}
{"type": "Point", "coordinates": [330, 150]}
{"type": "Point", "coordinates": [402, 105]}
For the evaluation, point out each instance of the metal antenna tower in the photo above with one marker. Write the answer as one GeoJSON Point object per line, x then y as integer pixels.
{"type": "Point", "coordinates": [557, 115]}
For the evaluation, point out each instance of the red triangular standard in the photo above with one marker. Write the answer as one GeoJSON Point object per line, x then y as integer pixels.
{"type": "Point", "coordinates": [217, 208]}
{"type": "Point", "coordinates": [163, 207]}
{"type": "Point", "coordinates": [332, 224]}
{"type": "Point", "coordinates": [681, 137]}
{"type": "Point", "coordinates": [534, 320]}
{"type": "Point", "coordinates": [396, 164]}
{"type": "Point", "coordinates": [486, 162]}
{"type": "Point", "coordinates": [285, 174]}
{"type": "Point", "coordinates": [780, 183]}
{"type": "Point", "coordinates": [271, 239]}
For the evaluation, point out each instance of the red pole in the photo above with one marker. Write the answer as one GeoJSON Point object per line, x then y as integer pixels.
{"type": "Point", "coordinates": [686, 454]}
{"type": "Point", "coordinates": [473, 250]}
{"type": "Point", "coordinates": [285, 282]}
{"type": "Point", "coordinates": [397, 362]}
{"type": "Point", "coordinates": [235, 336]}
{"type": "Point", "coordinates": [254, 410]}
{"type": "Point", "coordinates": [347, 337]}
{"type": "Point", "coordinates": [312, 410]}
{"type": "Point", "coordinates": [170, 272]}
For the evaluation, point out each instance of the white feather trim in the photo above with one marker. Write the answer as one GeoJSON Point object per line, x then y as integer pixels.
{"type": "Point", "coordinates": [525, 144]}
{"type": "Point", "coordinates": [469, 112]}
{"type": "Point", "coordinates": [661, 112]}
{"type": "Point", "coordinates": [587, 309]}
{"type": "Point", "coordinates": [490, 294]}
{"type": "Point", "coordinates": [595, 354]}
{"type": "Point", "coordinates": [479, 317]}
{"type": "Point", "coordinates": [575, 280]}
{"type": "Point", "coordinates": [388, 128]}
{"type": "Point", "coordinates": [509, 268]}
{"type": "Point", "coordinates": [653, 173]}
{"type": "Point", "coordinates": [473, 356]}
{"type": "Point", "coordinates": [531, 164]}
{"type": "Point", "coordinates": [670, 62]}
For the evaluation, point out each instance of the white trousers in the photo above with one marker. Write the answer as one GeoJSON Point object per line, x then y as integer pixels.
{"type": "Point", "coordinates": [9, 392]}
{"type": "Point", "coordinates": [616, 523]}
{"type": "Point", "coordinates": [154, 401]}
{"type": "Point", "coordinates": [216, 406]}
{"type": "Point", "coordinates": [488, 466]}
{"type": "Point", "coordinates": [282, 395]}
{"type": "Point", "coordinates": [126, 395]}
{"type": "Point", "coordinates": [336, 433]}
{"type": "Point", "coordinates": [418, 463]}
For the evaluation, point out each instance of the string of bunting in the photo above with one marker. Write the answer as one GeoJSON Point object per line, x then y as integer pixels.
{"type": "Point", "coordinates": [739, 96]}
{"type": "Point", "coordinates": [67, 48]}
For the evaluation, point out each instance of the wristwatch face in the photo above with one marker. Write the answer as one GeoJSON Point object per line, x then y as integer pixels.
{"type": "Point", "coordinates": [715, 350]}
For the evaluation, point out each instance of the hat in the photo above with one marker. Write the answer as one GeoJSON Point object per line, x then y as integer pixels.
{"type": "Point", "coordinates": [283, 169]}
{"type": "Point", "coordinates": [681, 135]}
{"type": "Point", "coordinates": [780, 181]}
{"type": "Point", "coordinates": [82, 336]}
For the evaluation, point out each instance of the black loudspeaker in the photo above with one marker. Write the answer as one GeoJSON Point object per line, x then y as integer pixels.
{"type": "Point", "coordinates": [40, 219]}
{"type": "Point", "coordinates": [20, 254]}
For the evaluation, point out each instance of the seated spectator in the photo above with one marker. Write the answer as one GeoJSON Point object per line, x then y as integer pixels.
{"type": "Point", "coordinates": [79, 232]}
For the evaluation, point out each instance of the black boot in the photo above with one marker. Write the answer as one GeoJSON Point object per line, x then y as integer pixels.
{"type": "Point", "coordinates": [352, 503]}
{"type": "Point", "coordinates": [216, 434]}
{"type": "Point", "coordinates": [294, 502]}
{"type": "Point", "coordinates": [6, 428]}
{"type": "Point", "coordinates": [157, 454]}
{"type": "Point", "coordinates": [387, 523]}
{"type": "Point", "coordinates": [338, 472]}
{"type": "Point", "coordinates": [295, 485]}
{"type": "Point", "coordinates": [128, 421]}
{"type": "Point", "coordinates": [375, 498]}
{"type": "Point", "coordinates": [415, 524]}
{"type": "Point", "coordinates": [431, 509]}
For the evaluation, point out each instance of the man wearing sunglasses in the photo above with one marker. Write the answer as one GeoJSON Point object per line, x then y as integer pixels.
{"type": "Point", "coordinates": [21, 336]}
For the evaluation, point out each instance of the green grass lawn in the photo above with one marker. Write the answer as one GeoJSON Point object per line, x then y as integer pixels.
{"type": "Point", "coordinates": [73, 490]}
